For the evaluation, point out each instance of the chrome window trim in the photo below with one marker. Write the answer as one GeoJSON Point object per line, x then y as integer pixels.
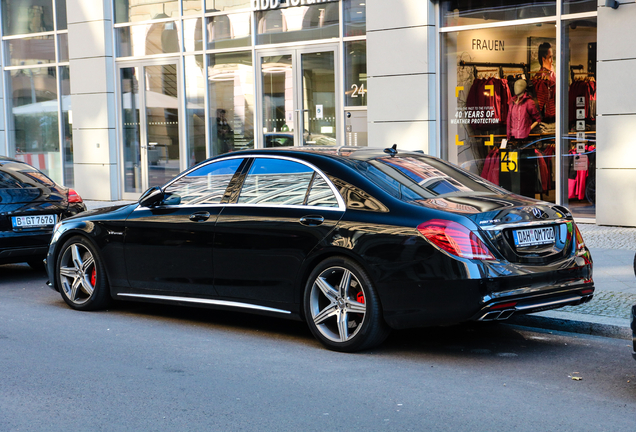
{"type": "Point", "coordinates": [205, 301]}
{"type": "Point", "coordinates": [341, 203]}
{"type": "Point", "coordinates": [523, 224]}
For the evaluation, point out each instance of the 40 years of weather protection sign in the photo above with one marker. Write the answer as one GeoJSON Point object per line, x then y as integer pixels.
{"type": "Point", "coordinates": [534, 236]}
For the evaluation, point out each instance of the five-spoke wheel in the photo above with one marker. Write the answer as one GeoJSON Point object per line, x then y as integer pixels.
{"type": "Point", "coordinates": [80, 275]}
{"type": "Point", "coordinates": [342, 308]}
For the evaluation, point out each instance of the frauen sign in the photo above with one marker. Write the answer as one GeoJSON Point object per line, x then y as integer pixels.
{"type": "Point", "coordinates": [279, 4]}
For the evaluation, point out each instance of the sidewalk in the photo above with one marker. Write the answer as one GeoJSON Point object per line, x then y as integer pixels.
{"type": "Point", "coordinates": [613, 250]}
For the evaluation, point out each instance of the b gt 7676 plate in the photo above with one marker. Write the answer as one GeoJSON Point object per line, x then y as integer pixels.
{"type": "Point", "coordinates": [533, 236]}
{"type": "Point", "coordinates": [38, 221]}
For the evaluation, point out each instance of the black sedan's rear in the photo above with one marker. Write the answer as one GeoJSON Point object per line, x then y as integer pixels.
{"type": "Point", "coordinates": [30, 206]}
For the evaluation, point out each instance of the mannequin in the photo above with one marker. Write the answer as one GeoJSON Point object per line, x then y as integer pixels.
{"type": "Point", "coordinates": [523, 115]}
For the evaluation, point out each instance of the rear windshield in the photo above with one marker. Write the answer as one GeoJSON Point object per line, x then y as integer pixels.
{"type": "Point", "coordinates": [414, 178]}
{"type": "Point", "coordinates": [15, 175]}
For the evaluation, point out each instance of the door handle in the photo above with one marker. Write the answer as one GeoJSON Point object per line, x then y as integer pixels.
{"type": "Point", "coordinates": [312, 220]}
{"type": "Point", "coordinates": [199, 216]}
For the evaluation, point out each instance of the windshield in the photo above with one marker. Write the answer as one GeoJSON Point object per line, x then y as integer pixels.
{"type": "Point", "coordinates": [414, 178]}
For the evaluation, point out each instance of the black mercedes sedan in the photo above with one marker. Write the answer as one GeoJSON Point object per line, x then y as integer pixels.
{"type": "Point", "coordinates": [30, 206]}
{"type": "Point", "coordinates": [355, 241]}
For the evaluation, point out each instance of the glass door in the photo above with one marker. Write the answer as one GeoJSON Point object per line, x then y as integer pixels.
{"type": "Point", "coordinates": [299, 97]}
{"type": "Point", "coordinates": [150, 118]}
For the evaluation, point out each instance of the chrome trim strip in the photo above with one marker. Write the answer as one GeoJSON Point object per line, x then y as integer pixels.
{"type": "Point", "coordinates": [206, 301]}
{"type": "Point", "coordinates": [529, 290]}
{"type": "Point", "coordinates": [550, 303]}
{"type": "Point", "coordinates": [523, 224]}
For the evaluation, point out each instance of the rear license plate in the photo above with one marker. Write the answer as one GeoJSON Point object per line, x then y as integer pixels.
{"type": "Point", "coordinates": [39, 221]}
{"type": "Point", "coordinates": [533, 236]}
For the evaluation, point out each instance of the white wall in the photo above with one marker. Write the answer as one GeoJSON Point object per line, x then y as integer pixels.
{"type": "Point", "coordinates": [93, 99]}
{"type": "Point", "coordinates": [616, 122]}
{"type": "Point", "coordinates": [401, 74]}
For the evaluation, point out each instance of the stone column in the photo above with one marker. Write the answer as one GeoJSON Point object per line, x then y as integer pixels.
{"type": "Point", "coordinates": [91, 51]}
{"type": "Point", "coordinates": [616, 121]}
{"type": "Point", "coordinates": [401, 74]}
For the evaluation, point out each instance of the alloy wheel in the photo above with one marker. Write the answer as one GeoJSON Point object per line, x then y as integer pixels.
{"type": "Point", "coordinates": [77, 273]}
{"type": "Point", "coordinates": [337, 304]}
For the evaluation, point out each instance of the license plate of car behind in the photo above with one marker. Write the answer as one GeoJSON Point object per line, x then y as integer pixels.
{"type": "Point", "coordinates": [533, 237]}
{"type": "Point", "coordinates": [38, 221]}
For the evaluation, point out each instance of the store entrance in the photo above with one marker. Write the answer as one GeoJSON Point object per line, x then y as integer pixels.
{"type": "Point", "coordinates": [298, 96]}
{"type": "Point", "coordinates": [150, 117]}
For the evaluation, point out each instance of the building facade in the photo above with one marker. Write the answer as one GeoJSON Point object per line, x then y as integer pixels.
{"type": "Point", "coordinates": [114, 96]}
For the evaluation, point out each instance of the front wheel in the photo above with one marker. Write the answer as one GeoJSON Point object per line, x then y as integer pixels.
{"type": "Point", "coordinates": [81, 276]}
{"type": "Point", "coordinates": [342, 308]}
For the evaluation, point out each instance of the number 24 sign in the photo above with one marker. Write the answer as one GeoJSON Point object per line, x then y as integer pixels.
{"type": "Point", "coordinates": [509, 161]}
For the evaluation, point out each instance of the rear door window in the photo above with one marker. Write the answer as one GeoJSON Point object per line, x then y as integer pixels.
{"type": "Point", "coordinates": [284, 182]}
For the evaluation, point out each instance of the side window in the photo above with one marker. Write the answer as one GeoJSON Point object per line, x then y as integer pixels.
{"type": "Point", "coordinates": [276, 182]}
{"type": "Point", "coordinates": [205, 185]}
{"type": "Point", "coordinates": [320, 194]}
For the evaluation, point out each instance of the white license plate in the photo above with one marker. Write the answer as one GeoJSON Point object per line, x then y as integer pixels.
{"type": "Point", "coordinates": [39, 221]}
{"type": "Point", "coordinates": [533, 236]}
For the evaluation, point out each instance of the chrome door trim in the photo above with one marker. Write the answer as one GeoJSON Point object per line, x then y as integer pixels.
{"type": "Point", "coordinates": [205, 301]}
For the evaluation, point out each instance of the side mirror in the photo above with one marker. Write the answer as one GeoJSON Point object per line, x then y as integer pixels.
{"type": "Point", "coordinates": [151, 197]}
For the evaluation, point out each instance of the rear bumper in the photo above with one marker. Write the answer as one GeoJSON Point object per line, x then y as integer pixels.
{"type": "Point", "coordinates": [20, 254]}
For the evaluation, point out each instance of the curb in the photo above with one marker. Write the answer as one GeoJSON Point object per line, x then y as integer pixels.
{"type": "Point", "coordinates": [594, 325]}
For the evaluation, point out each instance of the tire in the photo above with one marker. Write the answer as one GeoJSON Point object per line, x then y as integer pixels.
{"type": "Point", "coordinates": [343, 317]}
{"type": "Point", "coordinates": [80, 275]}
{"type": "Point", "coordinates": [635, 271]}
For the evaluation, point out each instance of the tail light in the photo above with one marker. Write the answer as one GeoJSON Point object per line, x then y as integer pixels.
{"type": "Point", "coordinates": [73, 197]}
{"type": "Point", "coordinates": [455, 239]}
{"type": "Point", "coordinates": [580, 244]}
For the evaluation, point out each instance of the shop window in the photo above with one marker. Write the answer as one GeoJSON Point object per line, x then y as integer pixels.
{"type": "Point", "coordinates": [300, 23]}
{"type": "Point", "coordinates": [226, 5]}
{"type": "Point", "coordinates": [67, 127]}
{"type": "Point", "coordinates": [191, 7]}
{"type": "Point", "coordinates": [578, 6]}
{"type": "Point", "coordinates": [143, 10]}
{"type": "Point", "coordinates": [229, 31]}
{"type": "Point", "coordinates": [579, 117]}
{"type": "Point", "coordinates": [356, 73]}
{"type": "Point", "coordinates": [470, 12]}
{"type": "Point", "coordinates": [60, 14]}
{"type": "Point", "coordinates": [231, 90]}
{"type": "Point", "coordinates": [192, 35]}
{"type": "Point", "coordinates": [26, 16]}
{"type": "Point", "coordinates": [501, 100]}
{"type": "Point", "coordinates": [355, 17]}
{"type": "Point", "coordinates": [33, 119]}
{"type": "Point", "coordinates": [148, 39]}
{"type": "Point", "coordinates": [195, 108]}
{"type": "Point", "coordinates": [31, 51]}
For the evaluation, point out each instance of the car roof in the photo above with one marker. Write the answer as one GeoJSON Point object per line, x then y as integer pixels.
{"type": "Point", "coordinates": [332, 152]}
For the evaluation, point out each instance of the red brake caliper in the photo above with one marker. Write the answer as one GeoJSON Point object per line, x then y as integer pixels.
{"type": "Point", "coordinates": [360, 297]}
{"type": "Point", "coordinates": [93, 276]}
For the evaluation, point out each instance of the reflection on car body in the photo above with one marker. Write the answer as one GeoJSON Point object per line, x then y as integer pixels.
{"type": "Point", "coordinates": [355, 241]}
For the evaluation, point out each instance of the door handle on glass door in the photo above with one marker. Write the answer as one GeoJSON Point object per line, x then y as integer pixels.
{"type": "Point", "coordinates": [199, 216]}
{"type": "Point", "coordinates": [312, 220]}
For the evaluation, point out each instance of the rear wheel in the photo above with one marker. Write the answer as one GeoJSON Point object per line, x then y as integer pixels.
{"type": "Point", "coordinates": [81, 277]}
{"type": "Point", "coordinates": [342, 308]}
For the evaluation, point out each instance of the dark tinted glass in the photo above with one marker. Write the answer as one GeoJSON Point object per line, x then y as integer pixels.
{"type": "Point", "coordinates": [468, 12]}
{"type": "Point", "coordinates": [415, 178]}
{"type": "Point", "coordinates": [19, 175]}
{"type": "Point", "coordinates": [205, 185]}
{"type": "Point", "coordinates": [276, 182]}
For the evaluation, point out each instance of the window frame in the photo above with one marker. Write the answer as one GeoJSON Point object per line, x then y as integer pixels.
{"type": "Point", "coordinates": [234, 201]}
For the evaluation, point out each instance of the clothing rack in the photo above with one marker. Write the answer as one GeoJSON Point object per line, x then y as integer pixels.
{"type": "Point", "coordinates": [501, 66]}
{"type": "Point", "coordinates": [578, 67]}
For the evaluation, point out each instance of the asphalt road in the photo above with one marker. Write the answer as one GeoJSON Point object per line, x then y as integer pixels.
{"type": "Point", "coordinates": [151, 368]}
